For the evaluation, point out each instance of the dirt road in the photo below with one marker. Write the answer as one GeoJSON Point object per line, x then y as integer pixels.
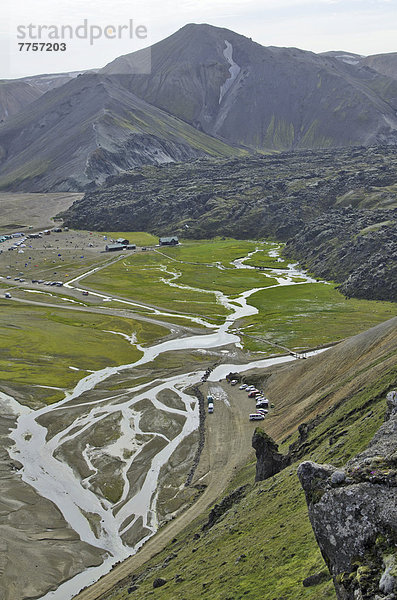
{"type": "Point", "coordinates": [227, 447]}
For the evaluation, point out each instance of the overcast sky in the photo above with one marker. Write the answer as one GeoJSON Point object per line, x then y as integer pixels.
{"type": "Point", "coordinates": [360, 26]}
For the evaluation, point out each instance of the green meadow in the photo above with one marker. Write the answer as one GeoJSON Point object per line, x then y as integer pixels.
{"type": "Point", "coordinates": [309, 315]}
{"type": "Point", "coordinates": [38, 346]}
{"type": "Point", "coordinates": [141, 277]}
{"type": "Point", "coordinates": [299, 317]}
{"type": "Point", "coordinates": [140, 238]}
{"type": "Point", "coordinates": [215, 250]}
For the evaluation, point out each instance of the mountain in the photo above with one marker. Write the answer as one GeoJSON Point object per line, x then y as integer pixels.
{"type": "Point", "coordinates": [210, 92]}
{"type": "Point", "coordinates": [265, 98]}
{"type": "Point", "coordinates": [49, 81]}
{"type": "Point", "coordinates": [348, 57]}
{"type": "Point", "coordinates": [91, 128]}
{"type": "Point", "coordinates": [15, 95]}
{"type": "Point", "coordinates": [383, 63]}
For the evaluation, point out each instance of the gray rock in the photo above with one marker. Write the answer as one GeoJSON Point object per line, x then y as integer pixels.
{"type": "Point", "coordinates": [159, 582]}
{"type": "Point", "coordinates": [338, 477]}
{"type": "Point", "coordinates": [315, 579]}
{"type": "Point", "coordinates": [356, 524]}
{"type": "Point", "coordinates": [388, 581]}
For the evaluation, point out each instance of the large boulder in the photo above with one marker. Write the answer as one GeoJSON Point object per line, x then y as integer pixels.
{"type": "Point", "coordinates": [353, 512]}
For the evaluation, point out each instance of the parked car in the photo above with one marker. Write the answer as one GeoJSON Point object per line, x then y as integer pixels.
{"type": "Point", "coordinates": [7, 295]}
{"type": "Point", "coordinates": [262, 404]}
{"type": "Point", "coordinates": [256, 417]}
{"type": "Point", "coordinates": [253, 393]}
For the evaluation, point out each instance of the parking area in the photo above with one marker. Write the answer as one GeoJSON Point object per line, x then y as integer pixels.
{"type": "Point", "coordinates": [256, 405]}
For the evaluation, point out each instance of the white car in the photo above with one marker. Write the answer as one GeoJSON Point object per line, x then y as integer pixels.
{"type": "Point", "coordinates": [256, 417]}
{"type": "Point", "coordinates": [243, 386]}
{"type": "Point", "coordinates": [7, 295]}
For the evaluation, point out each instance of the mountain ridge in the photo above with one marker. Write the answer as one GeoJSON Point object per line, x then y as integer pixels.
{"type": "Point", "coordinates": [230, 96]}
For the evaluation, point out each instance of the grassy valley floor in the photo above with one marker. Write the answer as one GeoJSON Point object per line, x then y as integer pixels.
{"type": "Point", "coordinates": [52, 338]}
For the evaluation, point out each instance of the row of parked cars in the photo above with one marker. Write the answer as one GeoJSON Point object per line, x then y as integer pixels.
{"type": "Point", "coordinates": [57, 283]}
{"type": "Point", "coordinates": [261, 402]}
{"type": "Point", "coordinates": [21, 280]}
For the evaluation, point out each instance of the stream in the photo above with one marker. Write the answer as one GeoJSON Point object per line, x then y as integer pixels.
{"type": "Point", "coordinates": [38, 449]}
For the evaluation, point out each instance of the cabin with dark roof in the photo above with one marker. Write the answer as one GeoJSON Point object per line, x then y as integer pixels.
{"type": "Point", "coordinates": [169, 241]}
{"type": "Point", "coordinates": [113, 247]}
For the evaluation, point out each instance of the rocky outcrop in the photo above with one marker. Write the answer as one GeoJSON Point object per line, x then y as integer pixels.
{"type": "Point", "coordinates": [269, 461]}
{"type": "Point", "coordinates": [219, 510]}
{"type": "Point", "coordinates": [353, 512]}
{"type": "Point", "coordinates": [357, 248]}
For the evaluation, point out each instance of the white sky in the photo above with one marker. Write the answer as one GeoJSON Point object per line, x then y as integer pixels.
{"type": "Point", "coordinates": [361, 26]}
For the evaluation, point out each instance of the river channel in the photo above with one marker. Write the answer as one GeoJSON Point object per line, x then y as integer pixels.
{"type": "Point", "coordinates": [40, 436]}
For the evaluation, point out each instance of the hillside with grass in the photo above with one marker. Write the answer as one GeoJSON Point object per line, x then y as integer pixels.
{"type": "Point", "coordinates": [258, 542]}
